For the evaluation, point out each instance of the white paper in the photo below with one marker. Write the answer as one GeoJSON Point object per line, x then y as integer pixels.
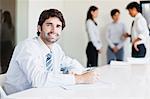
{"type": "Point", "coordinates": [119, 63]}
{"type": "Point", "coordinates": [131, 60]}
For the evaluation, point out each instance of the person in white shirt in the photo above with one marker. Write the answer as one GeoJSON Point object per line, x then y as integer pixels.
{"type": "Point", "coordinates": [139, 31]}
{"type": "Point", "coordinates": [114, 37]}
{"type": "Point", "coordinates": [94, 45]}
{"type": "Point", "coordinates": [40, 61]}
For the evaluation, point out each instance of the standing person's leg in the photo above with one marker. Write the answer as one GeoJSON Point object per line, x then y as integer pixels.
{"type": "Point", "coordinates": [120, 55]}
{"type": "Point", "coordinates": [110, 55]}
{"type": "Point", "coordinates": [95, 58]}
{"type": "Point", "coordinates": [92, 55]}
{"type": "Point", "coordinates": [88, 55]}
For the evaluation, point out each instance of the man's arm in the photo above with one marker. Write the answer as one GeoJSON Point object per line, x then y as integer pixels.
{"type": "Point", "coordinates": [126, 35]}
{"type": "Point", "coordinates": [85, 78]}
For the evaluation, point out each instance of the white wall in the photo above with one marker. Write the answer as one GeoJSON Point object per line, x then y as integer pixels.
{"type": "Point", "coordinates": [21, 20]}
{"type": "Point", "coordinates": [74, 38]}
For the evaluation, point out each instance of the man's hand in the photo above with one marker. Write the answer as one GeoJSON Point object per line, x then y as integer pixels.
{"type": "Point", "coordinates": [115, 49]}
{"type": "Point", "coordinates": [126, 35]}
{"type": "Point", "coordinates": [135, 46]}
{"type": "Point", "coordinates": [99, 50]}
{"type": "Point", "coordinates": [135, 43]}
{"type": "Point", "coordinates": [86, 78]}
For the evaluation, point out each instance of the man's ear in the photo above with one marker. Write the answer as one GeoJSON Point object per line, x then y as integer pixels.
{"type": "Point", "coordinates": [39, 28]}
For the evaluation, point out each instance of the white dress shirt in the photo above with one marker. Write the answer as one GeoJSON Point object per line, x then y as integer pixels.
{"type": "Point", "coordinates": [114, 34]}
{"type": "Point", "coordinates": [93, 34]}
{"type": "Point", "coordinates": [27, 68]}
{"type": "Point", "coordinates": [139, 29]}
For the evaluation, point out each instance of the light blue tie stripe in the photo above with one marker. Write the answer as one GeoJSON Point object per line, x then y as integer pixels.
{"type": "Point", "coordinates": [49, 61]}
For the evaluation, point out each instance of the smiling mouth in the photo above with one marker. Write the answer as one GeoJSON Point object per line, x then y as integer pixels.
{"type": "Point", "coordinates": [52, 33]}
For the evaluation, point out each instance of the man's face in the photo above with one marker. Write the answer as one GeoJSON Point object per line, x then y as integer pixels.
{"type": "Point", "coordinates": [116, 16]}
{"type": "Point", "coordinates": [50, 30]}
{"type": "Point", "coordinates": [132, 12]}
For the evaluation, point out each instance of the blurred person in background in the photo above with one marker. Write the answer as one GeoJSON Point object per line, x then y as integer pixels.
{"type": "Point", "coordinates": [114, 37]}
{"type": "Point", "coordinates": [7, 40]}
{"type": "Point", "coordinates": [139, 31]}
{"type": "Point", "coordinates": [94, 45]}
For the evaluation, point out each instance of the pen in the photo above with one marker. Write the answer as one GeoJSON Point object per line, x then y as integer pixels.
{"type": "Point", "coordinates": [89, 69]}
{"type": "Point", "coordinates": [63, 87]}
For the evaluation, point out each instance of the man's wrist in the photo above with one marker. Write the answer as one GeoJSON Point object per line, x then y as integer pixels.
{"type": "Point", "coordinates": [136, 40]}
{"type": "Point", "coordinates": [78, 79]}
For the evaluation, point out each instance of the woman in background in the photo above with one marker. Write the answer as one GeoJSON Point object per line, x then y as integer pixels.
{"type": "Point", "coordinates": [7, 40]}
{"type": "Point", "coordinates": [94, 45]}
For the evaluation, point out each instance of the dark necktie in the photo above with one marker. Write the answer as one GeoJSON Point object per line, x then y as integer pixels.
{"type": "Point", "coordinates": [131, 30]}
{"type": "Point", "coordinates": [49, 62]}
{"type": "Point", "coordinates": [132, 24]}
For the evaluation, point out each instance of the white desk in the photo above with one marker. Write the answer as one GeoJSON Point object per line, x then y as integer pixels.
{"type": "Point", "coordinates": [117, 82]}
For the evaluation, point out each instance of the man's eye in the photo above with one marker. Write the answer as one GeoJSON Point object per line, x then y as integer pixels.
{"type": "Point", "coordinates": [58, 26]}
{"type": "Point", "coordinates": [49, 24]}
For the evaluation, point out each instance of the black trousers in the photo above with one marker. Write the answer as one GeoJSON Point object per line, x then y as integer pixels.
{"type": "Point", "coordinates": [139, 54]}
{"type": "Point", "coordinates": [92, 55]}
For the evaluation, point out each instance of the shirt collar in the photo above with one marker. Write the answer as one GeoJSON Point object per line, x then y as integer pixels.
{"type": "Point", "coordinates": [115, 22]}
{"type": "Point", "coordinates": [45, 49]}
{"type": "Point", "coordinates": [138, 15]}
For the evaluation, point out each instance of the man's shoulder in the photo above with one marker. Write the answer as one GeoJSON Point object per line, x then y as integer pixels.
{"type": "Point", "coordinates": [122, 24]}
{"type": "Point", "coordinates": [110, 25]}
{"type": "Point", "coordinates": [28, 42]}
{"type": "Point", "coordinates": [57, 46]}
